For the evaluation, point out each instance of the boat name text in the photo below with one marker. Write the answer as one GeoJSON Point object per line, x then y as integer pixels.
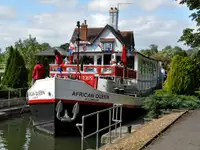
{"type": "Point", "coordinates": [37, 93]}
{"type": "Point", "coordinates": [90, 95]}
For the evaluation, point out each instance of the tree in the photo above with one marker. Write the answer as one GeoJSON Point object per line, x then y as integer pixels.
{"type": "Point", "coordinates": [65, 46]}
{"type": "Point", "coordinates": [28, 48]}
{"type": "Point", "coordinates": [183, 77]}
{"type": "Point", "coordinates": [191, 37]}
{"type": "Point", "coordinates": [8, 64]}
{"type": "Point", "coordinates": [153, 49]}
{"type": "Point", "coordinates": [16, 74]}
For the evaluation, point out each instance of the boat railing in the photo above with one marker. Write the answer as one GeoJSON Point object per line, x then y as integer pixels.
{"type": "Point", "coordinates": [115, 116]}
{"type": "Point", "coordinates": [101, 70]}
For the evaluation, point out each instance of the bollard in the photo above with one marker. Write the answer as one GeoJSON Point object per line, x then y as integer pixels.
{"type": "Point", "coordinates": [129, 129]}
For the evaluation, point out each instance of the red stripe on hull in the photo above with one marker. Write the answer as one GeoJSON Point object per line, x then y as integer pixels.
{"type": "Point", "coordinates": [39, 101]}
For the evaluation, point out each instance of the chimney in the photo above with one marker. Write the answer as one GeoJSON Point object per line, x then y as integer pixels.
{"type": "Point", "coordinates": [114, 12]}
{"type": "Point", "coordinates": [83, 31]}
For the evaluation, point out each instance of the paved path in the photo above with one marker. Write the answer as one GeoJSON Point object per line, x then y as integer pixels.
{"type": "Point", "coordinates": [183, 135]}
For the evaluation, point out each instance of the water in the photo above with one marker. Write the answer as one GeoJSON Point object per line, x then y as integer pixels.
{"type": "Point", "coordinates": [18, 134]}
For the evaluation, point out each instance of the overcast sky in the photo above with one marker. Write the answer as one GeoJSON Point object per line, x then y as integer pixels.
{"type": "Point", "coordinates": [158, 22]}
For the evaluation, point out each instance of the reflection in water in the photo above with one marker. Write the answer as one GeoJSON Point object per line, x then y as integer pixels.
{"type": "Point", "coordinates": [28, 138]}
{"type": "Point", "coordinates": [17, 134]}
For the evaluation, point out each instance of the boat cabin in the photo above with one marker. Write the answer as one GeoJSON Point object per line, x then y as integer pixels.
{"type": "Point", "coordinates": [100, 65]}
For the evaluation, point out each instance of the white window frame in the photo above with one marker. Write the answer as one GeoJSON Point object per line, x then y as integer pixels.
{"type": "Point", "coordinates": [105, 44]}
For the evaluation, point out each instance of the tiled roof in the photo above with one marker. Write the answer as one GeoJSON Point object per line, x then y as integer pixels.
{"type": "Point", "coordinates": [125, 37]}
{"type": "Point", "coordinates": [50, 52]}
{"type": "Point", "coordinates": [91, 34]}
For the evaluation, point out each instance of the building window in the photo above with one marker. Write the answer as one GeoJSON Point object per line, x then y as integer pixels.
{"type": "Point", "coordinates": [107, 46]}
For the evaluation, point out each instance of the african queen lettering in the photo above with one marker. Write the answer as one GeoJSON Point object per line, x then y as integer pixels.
{"type": "Point", "coordinates": [90, 95]}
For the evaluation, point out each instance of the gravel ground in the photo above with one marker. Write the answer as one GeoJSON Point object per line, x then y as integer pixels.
{"type": "Point", "coordinates": [184, 135]}
{"type": "Point", "coordinates": [144, 134]}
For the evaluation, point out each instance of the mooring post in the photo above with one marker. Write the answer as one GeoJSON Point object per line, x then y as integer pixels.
{"type": "Point", "coordinates": [129, 129]}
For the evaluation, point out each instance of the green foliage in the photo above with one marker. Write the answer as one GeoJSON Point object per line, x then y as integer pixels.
{"type": "Point", "coordinates": [16, 73]}
{"type": "Point", "coordinates": [165, 55]}
{"type": "Point", "coordinates": [183, 77]}
{"type": "Point", "coordinates": [65, 46]}
{"type": "Point", "coordinates": [153, 49]}
{"type": "Point", "coordinates": [155, 104]}
{"type": "Point", "coordinates": [28, 48]}
{"type": "Point", "coordinates": [8, 65]}
{"type": "Point", "coordinates": [191, 37]}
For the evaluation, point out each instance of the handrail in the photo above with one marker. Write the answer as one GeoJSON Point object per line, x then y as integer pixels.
{"type": "Point", "coordinates": [117, 120]}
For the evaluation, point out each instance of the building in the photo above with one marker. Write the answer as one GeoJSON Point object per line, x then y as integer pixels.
{"type": "Point", "coordinates": [105, 40]}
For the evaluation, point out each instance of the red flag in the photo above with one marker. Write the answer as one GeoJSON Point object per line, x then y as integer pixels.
{"type": "Point", "coordinates": [124, 56]}
{"type": "Point", "coordinates": [71, 58]}
{"type": "Point", "coordinates": [113, 50]}
{"type": "Point", "coordinates": [84, 47]}
{"type": "Point", "coordinates": [99, 45]}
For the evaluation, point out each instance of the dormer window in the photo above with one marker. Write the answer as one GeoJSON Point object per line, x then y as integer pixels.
{"type": "Point", "coordinates": [107, 46]}
{"type": "Point", "coordinates": [107, 43]}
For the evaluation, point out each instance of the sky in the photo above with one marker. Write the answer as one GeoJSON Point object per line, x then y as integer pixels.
{"type": "Point", "coordinates": [159, 22]}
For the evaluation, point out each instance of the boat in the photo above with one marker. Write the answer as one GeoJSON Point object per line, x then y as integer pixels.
{"type": "Point", "coordinates": [59, 101]}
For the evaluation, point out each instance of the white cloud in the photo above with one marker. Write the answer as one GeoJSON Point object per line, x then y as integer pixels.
{"type": "Point", "coordinates": [7, 13]}
{"type": "Point", "coordinates": [151, 5]}
{"type": "Point", "coordinates": [104, 5]}
{"type": "Point", "coordinates": [147, 5]}
{"type": "Point", "coordinates": [154, 30]}
{"type": "Point", "coordinates": [57, 27]}
{"type": "Point", "coordinates": [99, 20]}
{"type": "Point", "coordinates": [60, 3]}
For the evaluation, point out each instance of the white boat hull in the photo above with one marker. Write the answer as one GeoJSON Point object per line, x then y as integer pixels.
{"type": "Point", "coordinates": [67, 90]}
{"type": "Point", "coordinates": [44, 95]}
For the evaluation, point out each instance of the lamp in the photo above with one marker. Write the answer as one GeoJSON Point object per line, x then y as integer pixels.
{"type": "Point", "coordinates": [78, 41]}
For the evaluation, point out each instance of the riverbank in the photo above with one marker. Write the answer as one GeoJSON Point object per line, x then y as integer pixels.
{"type": "Point", "coordinates": [13, 107]}
{"type": "Point", "coordinates": [14, 111]}
{"type": "Point", "coordinates": [142, 136]}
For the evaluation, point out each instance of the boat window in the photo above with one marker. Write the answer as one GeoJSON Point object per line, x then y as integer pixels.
{"type": "Point", "coordinates": [99, 59]}
{"type": "Point", "coordinates": [71, 69]}
{"type": "Point", "coordinates": [130, 63]}
{"type": "Point", "coordinates": [91, 69]}
{"type": "Point", "coordinates": [107, 59]}
{"type": "Point", "coordinates": [87, 60]}
{"type": "Point", "coordinates": [54, 69]}
{"type": "Point", "coordinates": [118, 58]}
{"type": "Point", "coordinates": [106, 70]}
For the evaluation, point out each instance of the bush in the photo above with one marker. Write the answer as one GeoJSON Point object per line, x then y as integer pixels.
{"type": "Point", "coordinates": [183, 77]}
{"type": "Point", "coordinates": [16, 72]}
{"type": "Point", "coordinates": [154, 104]}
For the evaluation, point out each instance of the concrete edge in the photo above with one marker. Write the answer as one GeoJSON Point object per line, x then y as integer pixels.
{"type": "Point", "coordinates": [122, 137]}
{"type": "Point", "coordinates": [163, 130]}
{"type": "Point", "coordinates": [12, 113]}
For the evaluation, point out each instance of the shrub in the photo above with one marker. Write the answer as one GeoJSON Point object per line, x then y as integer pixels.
{"type": "Point", "coordinates": [16, 72]}
{"type": "Point", "coordinates": [154, 104]}
{"type": "Point", "coordinates": [183, 77]}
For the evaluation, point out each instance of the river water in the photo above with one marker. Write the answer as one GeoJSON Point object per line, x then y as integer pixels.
{"type": "Point", "coordinates": [18, 134]}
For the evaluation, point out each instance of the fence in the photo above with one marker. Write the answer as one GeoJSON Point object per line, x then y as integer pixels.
{"type": "Point", "coordinates": [13, 93]}
{"type": "Point", "coordinates": [113, 116]}
{"type": "Point", "coordinates": [13, 97]}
